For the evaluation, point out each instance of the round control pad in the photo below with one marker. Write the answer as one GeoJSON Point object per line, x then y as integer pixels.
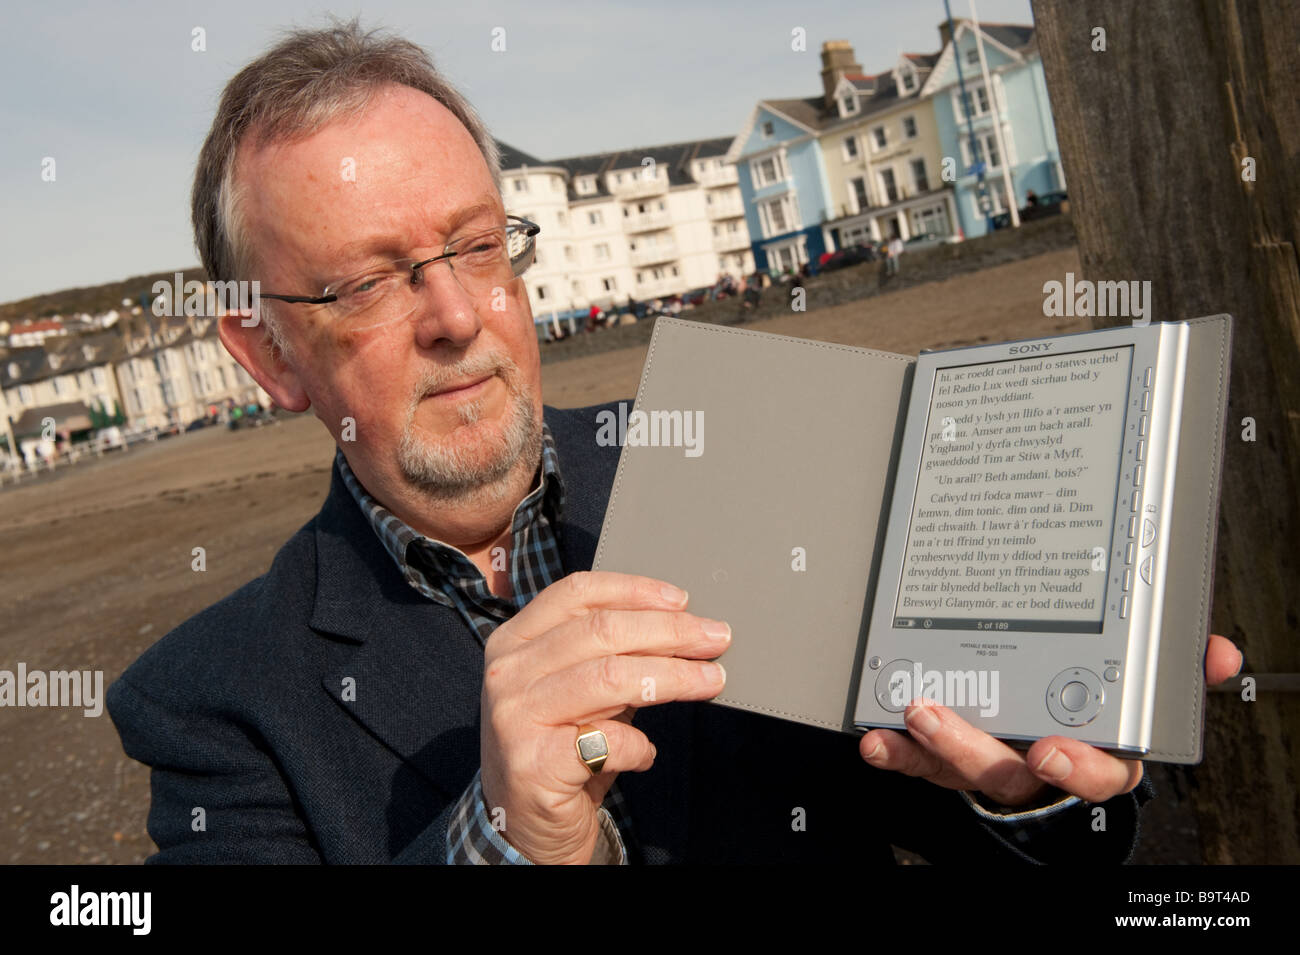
{"type": "Point", "coordinates": [894, 682]}
{"type": "Point", "coordinates": [1075, 696]}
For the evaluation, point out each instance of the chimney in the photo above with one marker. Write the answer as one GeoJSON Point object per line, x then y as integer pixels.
{"type": "Point", "coordinates": [837, 59]}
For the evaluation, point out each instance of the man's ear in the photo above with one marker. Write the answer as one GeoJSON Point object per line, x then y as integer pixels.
{"type": "Point", "coordinates": [249, 341]}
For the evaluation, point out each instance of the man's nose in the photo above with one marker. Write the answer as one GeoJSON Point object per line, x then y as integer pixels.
{"type": "Point", "coordinates": [444, 311]}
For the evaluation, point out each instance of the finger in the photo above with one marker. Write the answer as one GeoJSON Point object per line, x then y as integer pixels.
{"type": "Point", "coordinates": [1223, 660]}
{"type": "Point", "coordinates": [602, 633]}
{"type": "Point", "coordinates": [1082, 770]}
{"type": "Point", "coordinates": [975, 757]}
{"type": "Point", "coordinates": [630, 750]}
{"type": "Point", "coordinates": [579, 594]}
{"type": "Point", "coordinates": [897, 752]}
{"type": "Point", "coordinates": [601, 688]}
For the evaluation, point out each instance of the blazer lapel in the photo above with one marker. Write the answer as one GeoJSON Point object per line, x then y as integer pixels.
{"type": "Point", "coordinates": [414, 681]}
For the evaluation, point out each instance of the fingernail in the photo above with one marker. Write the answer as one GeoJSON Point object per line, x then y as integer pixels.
{"type": "Point", "coordinates": [673, 594]}
{"type": "Point", "coordinates": [717, 629]}
{"type": "Point", "coordinates": [722, 671]}
{"type": "Point", "coordinates": [1241, 662]}
{"type": "Point", "coordinates": [1056, 765]}
{"type": "Point", "coordinates": [922, 720]}
{"type": "Point", "coordinates": [876, 752]}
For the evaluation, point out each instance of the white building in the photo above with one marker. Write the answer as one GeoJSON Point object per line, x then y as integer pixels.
{"type": "Point", "coordinates": [640, 223]}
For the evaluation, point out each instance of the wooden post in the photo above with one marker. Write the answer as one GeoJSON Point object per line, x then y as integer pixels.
{"type": "Point", "coordinates": [1179, 142]}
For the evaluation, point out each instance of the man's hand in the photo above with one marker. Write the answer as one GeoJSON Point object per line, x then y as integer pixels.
{"type": "Point", "coordinates": [948, 751]}
{"type": "Point", "coordinates": [590, 648]}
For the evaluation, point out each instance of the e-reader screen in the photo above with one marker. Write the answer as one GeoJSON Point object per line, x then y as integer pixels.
{"type": "Point", "coordinates": [1016, 493]}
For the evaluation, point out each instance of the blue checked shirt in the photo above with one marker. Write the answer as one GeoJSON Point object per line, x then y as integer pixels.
{"type": "Point", "coordinates": [444, 574]}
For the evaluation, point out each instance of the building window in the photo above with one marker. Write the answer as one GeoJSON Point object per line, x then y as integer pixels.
{"type": "Point", "coordinates": [768, 170]}
{"type": "Point", "coordinates": [541, 293]}
{"type": "Point", "coordinates": [859, 190]}
{"type": "Point", "coordinates": [577, 288]}
{"type": "Point", "coordinates": [609, 284]}
{"type": "Point", "coordinates": [24, 394]}
{"type": "Point", "coordinates": [602, 251]}
{"type": "Point", "coordinates": [986, 148]}
{"type": "Point", "coordinates": [768, 130]}
{"type": "Point", "coordinates": [562, 219]}
{"type": "Point", "coordinates": [909, 127]}
{"type": "Point", "coordinates": [978, 96]}
{"type": "Point", "coordinates": [221, 378]}
{"type": "Point", "coordinates": [595, 218]}
{"type": "Point", "coordinates": [888, 186]}
{"type": "Point", "coordinates": [568, 253]}
{"type": "Point", "coordinates": [973, 56]}
{"type": "Point", "coordinates": [779, 216]}
{"type": "Point", "coordinates": [521, 185]}
{"type": "Point", "coordinates": [878, 135]}
{"type": "Point", "coordinates": [169, 393]}
{"type": "Point", "coordinates": [58, 384]}
{"type": "Point", "coordinates": [909, 80]}
{"type": "Point", "coordinates": [919, 177]}
{"type": "Point", "coordinates": [848, 104]}
{"type": "Point", "coordinates": [933, 220]}
{"type": "Point", "coordinates": [850, 147]}
{"type": "Point", "coordinates": [556, 183]}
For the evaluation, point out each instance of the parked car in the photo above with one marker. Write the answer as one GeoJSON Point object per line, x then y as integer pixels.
{"type": "Point", "coordinates": [198, 423]}
{"type": "Point", "coordinates": [853, 255]}
{"type": "Point", "coordinates": [1049, 204]}
{"type": "Point", "coordinates": [697, 296]}
{"type": "Point", "coordinates": [928, 240]}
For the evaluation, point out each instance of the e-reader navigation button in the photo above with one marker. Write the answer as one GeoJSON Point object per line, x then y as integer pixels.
{"type": "Point", "coordinates": [1075, 696]}
{"type": "Point", "coordinates": [1141, 452]}
{"type": "Point", "coordinates": [1148, 531]}
{"type": "Point", "coordinates": [1144, 569]}
{"type": "Point", "coordinates": [1128, 580]}
{"type": "Point", "coordinates": [1132, 525]}
{"type": "Point", "coordinates": [1129, 551]}
{"type": "Point", "coordinates": [1137, 475]}
{"type": "Point", "coordinates": [893, 687]}
{"type": "Point", "coordinates": [1146, 379]}
{"type": "Point", "coordinates": [1146, 401]}
{"type": "Point", "coordinates": [1111, 674]}
{"type": "Point", "coordinates": [1123, 607]}
{"type": "Point", "coordinates": [1142, 426]}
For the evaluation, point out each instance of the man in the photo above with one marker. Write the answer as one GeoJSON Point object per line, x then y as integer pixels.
{"type": "Point", "coordinates": [425, 674]}
{"type": "Point", "coordinates": [895, 250]}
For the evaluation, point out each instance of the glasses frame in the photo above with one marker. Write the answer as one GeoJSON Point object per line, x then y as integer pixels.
{"type": "Point", "coordinates": [514, 224]}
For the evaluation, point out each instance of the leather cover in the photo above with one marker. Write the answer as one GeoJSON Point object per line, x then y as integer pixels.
{"type": "Point", "coordinates": [799, 440]}
{"type": "Point", "coordinates": [777, 525]}
{"type": "Point", "coordinates": [1194, 523]}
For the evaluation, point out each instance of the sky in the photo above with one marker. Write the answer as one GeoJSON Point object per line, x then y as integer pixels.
{"type": "Point", "coordinates": [119, 99]}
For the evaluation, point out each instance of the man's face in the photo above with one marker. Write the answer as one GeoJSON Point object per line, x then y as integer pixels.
{"type": "Point", "coordinates": [400, 180]}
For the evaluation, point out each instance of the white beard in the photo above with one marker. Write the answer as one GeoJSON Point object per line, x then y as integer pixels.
{"type": "Point", "coordinates": [461, 474]}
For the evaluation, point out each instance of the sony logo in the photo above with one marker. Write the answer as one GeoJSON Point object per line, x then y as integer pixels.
{"type": "Point", "coordinates": [1021, 349]}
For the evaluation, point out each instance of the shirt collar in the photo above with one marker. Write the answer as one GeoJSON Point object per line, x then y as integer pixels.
{"type": "Point", "coordinates": [397, 536]}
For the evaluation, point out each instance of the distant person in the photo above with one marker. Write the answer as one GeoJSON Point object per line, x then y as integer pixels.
{"type": "Point", "coordinates": [1031, 199]}
{"type": "Point", "coordinates": [893, 252]}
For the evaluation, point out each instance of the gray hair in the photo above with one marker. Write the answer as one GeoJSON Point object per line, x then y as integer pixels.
{"type": "Point", "coordinates": [308, 79]}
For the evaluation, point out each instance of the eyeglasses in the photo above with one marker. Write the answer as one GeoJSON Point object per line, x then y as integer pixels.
{"type": "Point", "coordinates": [390, 291]}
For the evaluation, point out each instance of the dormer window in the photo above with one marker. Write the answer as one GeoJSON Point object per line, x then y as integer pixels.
{"type": "Point", "coordinates": [768, 130]}
{"type": "Point", "coordinates": [848, 104]}
{"type": "Point", "coordinates": [909, 81]}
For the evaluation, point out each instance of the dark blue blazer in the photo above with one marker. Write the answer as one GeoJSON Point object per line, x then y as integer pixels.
{"type": "Point", "coordinates": [258, 757]}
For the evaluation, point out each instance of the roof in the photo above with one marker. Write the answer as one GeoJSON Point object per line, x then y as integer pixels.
{"type": "Point", "coordinates": [880, 91]}
{"type": "Point", "coordinates": [68, 416]}
{"type": "Point", "coordinates": [675, 158]}
{"type": "Point", "coordinates": [61, 356]}
{"type": "Point", "coordinates": [512, 158]}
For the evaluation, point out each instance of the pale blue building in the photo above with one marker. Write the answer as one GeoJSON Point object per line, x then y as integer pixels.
{"type": "Point", "coordinates": [1018, 100]}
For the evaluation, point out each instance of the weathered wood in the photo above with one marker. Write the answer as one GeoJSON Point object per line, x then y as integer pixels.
{"type": "Point", "coordinates": [1153, 132]}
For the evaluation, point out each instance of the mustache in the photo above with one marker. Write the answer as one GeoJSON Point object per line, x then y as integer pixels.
{"type": "Point", "coordinates": [438, 378]}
